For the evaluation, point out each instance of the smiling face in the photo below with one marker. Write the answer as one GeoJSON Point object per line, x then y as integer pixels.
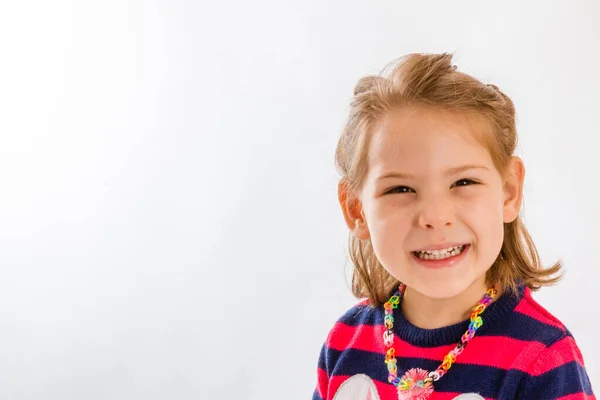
{"type": "Point", "coordinates": [433, 202]}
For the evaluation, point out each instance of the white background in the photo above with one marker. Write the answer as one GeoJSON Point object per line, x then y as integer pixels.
{"type": "Point", "coordinates": [169, 227]}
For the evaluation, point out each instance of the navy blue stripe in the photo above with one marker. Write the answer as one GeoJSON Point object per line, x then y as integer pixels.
{"type": "Point", "coordinates": [569, 378]}
{"type": "Point", "coordinates": [323, 363]}
{"type": "Point", "coordinates": [316, 396]}
{"type": "Point", "coordinates": [462, 378]}
{"type": "Point", "coordinates": [568, 333]}
{"type": "Point", "coordinates": [517, 326]}
{"type": "Point", "coordinates": [524, 327]}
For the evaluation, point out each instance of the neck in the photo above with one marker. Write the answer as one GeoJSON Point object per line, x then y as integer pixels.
{"type": "Point", "coordinates": [431, 313]}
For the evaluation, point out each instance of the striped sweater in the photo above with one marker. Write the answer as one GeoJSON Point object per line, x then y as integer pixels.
{"type": "Point", "coordinates": [520, 352]}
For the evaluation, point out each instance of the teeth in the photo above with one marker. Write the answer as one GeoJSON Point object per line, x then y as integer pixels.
{"type": "Point", "coordinates": [439, 254]}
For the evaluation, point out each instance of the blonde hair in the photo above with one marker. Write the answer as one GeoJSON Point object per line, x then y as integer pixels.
{"type": "Point", "coordinates": [432, 80]}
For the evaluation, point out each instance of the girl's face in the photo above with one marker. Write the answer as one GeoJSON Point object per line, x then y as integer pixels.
{"type": "Point", "coordinates": [433, 202]}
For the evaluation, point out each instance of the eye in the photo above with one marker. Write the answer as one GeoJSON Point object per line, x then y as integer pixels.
{"type": "Point", "coordinates": [464, 182]}
{"type": "Point", "coordinates": [401, 189]}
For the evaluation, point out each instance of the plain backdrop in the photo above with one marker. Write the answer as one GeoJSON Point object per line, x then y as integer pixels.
{"type": "Point", "coordinates": [169, 226]}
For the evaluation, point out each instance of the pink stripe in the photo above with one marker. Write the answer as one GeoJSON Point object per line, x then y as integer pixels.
{"type": "Point", "coordinates": [562, 352]}
{"type": "Point", "coordinates": [334, 384]}
{"type": "Point", "coordinates": [370, 338]}
{"type": "Point", "coordinates": [322, 382]}
{"type": "Point", "coordinates": [533, 309]}
{"type": "Point", "coordinates": [578, 396]}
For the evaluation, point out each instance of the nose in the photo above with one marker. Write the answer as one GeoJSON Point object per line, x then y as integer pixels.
{"type": "Point", "coordinates": [436, 212]}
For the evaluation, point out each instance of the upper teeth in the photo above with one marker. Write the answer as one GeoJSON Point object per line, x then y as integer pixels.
{"type": "Point", "coordinates": [443, 251]}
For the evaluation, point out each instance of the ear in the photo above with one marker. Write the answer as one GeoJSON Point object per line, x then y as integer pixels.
{"type": "Point", "coordinates": [513, 189]}
{"type": "Point", "coordinates": [353, 211]}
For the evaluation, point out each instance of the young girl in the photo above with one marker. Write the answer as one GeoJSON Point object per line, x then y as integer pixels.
{"type": "Point", "coordinates": [431, 192]}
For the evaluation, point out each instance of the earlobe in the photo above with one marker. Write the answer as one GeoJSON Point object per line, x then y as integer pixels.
{"type": "Point", "coordinates": [361, 229]}
{"type": "Point", "coordinates": [353, 213]}
{"type": "Point", "coordinates": [513, 189]}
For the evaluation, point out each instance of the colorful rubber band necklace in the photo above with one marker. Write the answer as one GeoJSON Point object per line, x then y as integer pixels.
{"type": "Point", "coordinates": [416, 383]}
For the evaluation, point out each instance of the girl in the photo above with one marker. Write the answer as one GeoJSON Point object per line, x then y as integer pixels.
{"type": "Point", "coordinates": [431, 193]}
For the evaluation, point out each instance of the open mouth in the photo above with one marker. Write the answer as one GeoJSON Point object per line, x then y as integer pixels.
{"type": "Point", "coordinates": [440, 254]}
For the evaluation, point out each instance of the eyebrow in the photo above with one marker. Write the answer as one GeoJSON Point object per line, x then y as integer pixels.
{"type": "Point", "coordinates": [450, 171]}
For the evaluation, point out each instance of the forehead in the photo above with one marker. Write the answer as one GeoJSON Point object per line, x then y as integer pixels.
{"type": "Point", "coordinates": [424, 140]}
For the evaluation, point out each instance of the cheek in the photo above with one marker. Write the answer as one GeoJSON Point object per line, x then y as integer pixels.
{"type": "Point", "coordinates": [485, 206]}
{"type": "Point", "coordinates": [389, 227]}
{"type": "Point", "coordinates": [485, 219]}
{"type": "Point", "coordinates": [391, 218]}
{"type": "Point", "coordinates": [492, 232]}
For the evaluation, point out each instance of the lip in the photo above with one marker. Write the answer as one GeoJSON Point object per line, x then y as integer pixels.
{"type": "Point", "coordinates": [447, 262]}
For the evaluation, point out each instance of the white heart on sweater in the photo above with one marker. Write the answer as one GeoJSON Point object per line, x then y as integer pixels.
{"type": "Point", "coordinates": [361, 387]}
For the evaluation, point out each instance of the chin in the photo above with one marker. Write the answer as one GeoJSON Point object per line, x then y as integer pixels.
{"type": "Point", "coordinates": [440, 288]}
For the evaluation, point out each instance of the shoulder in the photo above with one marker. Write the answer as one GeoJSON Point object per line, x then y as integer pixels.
{"type": "Point", "coordinates": [550, 330]}
{"type": "Point", "coordinates": [361, 316]}
{"type": "Point", "coordinates": [557, 371]}
{"type": "Point", "coordinates": [531, 322]}
{"type": "Point", "coordinates": [530, 307]}
{"type": "Point", "coordinates": [556, 359]}
{"type": "Point", "coordinates": [551, 333]}
{"type": "Point", "coordinates": [362, 313]}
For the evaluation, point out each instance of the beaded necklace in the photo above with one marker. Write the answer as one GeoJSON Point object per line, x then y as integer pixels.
{"type": "Point", "coordinates": [416, 383]}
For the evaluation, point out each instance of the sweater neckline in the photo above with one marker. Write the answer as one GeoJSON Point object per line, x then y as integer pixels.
{"type": "Point", "coordinates": [451, 334]}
